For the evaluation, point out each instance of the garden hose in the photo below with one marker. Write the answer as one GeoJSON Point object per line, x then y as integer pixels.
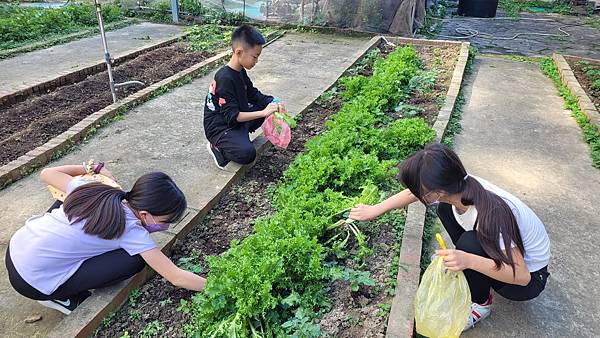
{"type": "Point", "coordinates": [467, 32]}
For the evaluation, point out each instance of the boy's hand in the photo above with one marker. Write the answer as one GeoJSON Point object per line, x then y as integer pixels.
{"type": "Point", "coordinates": [271, 108]}
{"type": "Point", "coordinates": [282, 109]}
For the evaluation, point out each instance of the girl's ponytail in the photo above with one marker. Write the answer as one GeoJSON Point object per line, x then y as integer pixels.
{"type": "Point", "coordinates": [100, 206]}
{"type": "Point", "coordinates": [438, 168]}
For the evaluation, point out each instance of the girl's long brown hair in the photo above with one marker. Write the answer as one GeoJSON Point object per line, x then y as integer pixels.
{"type": "Point", "coordinates": [101, 205]}
{"type": "Point", "coordinates": [438, 168]}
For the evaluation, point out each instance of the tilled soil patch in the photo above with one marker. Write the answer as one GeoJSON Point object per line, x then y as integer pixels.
{"type": "Point", "coordinates": [591, 87]}
{"type": "Point", "coordinates": [27, 125]}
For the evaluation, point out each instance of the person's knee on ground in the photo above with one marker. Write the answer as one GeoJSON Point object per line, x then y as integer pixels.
{"type": "Point", "coordinates": [245, 155]}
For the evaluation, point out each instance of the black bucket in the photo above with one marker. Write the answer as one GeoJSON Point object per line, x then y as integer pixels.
{"type": "Point", "coordinates": [478, 8]}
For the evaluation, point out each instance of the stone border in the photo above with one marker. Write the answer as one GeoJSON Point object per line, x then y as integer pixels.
{"type": "Point", "coordinates": [568, 77]}
{"type": "Point", "coordinates": [88, 316]}
{"type": "Point", "coordinates": [25, 164]}
{"type": "Point", "coordinates": [69, 77]}
{"type": "Point", "coordinates": [401, 320]}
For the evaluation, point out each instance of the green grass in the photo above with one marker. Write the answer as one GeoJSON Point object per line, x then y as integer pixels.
{"type": "Point", "coordinates": [160, 13]}
{"type": "Point", "coordinates": [593, 21]}
{"type": "Point", "coordinates": [24, 25]}
{"type": "Point", "coordinates": [590, 133]}
{"type": "Point", "coordinates": [514, 7]}
{"type": "Point", "coordinates": [432, 24]}
{"type": "Point", "coordinates": [454, 126]}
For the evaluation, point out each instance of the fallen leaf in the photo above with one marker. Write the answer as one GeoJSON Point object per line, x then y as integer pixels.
{"type": "Point", "coordinates": [33, 318]}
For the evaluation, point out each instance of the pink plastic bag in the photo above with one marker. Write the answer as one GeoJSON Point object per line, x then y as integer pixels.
{"type": "Point", "coordinates": [280, 134]}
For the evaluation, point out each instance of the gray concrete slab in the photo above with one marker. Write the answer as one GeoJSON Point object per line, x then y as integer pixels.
{"type": "Point", "coordinates": [47, 64]}
{"type": "Point", "coordinates": [166, 134]}
{"type": "Point", "coordinates": [582, 40]}
{"type": "Point", "coordinates": [517, 135]}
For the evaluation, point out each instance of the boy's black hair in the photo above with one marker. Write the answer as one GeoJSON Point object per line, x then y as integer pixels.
{"type": "Point", "coordinates": [247, 35]}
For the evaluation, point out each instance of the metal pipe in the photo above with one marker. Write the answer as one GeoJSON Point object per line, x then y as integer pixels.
{"type": "Point", "coordinates": [107, 59]}
{"type": "Point", "coordinates": [175, 11]}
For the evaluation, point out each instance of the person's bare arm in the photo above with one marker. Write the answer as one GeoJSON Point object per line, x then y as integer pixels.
{"type": "Point", "coordinates": [177, 276]}
{"type": "Point", "coordinates": [363, 212]}
{"type": "Point", "coordinates": [59, 177]}
{"type": "Point", "coordinates": [458, 260]}
{"type": "Point", "coordinates": [249, 116]}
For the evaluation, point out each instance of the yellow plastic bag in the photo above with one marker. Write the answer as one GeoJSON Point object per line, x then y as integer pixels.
{"type": "Point", "coordinates": [443, 300]}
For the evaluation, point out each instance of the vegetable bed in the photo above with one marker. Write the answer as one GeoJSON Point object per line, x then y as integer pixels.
{"type": "Point", "coordinates": [29, 124]}
{"type": "Point", "coordinates": [588, 75]}
{"type": "Point", "coordinates": [279, 257]}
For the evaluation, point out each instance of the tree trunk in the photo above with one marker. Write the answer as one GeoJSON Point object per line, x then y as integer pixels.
{"type": "Point", "coordinates": [302, 11]}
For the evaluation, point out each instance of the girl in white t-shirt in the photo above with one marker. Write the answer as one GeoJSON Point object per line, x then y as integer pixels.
{"type": "Point", "coordinates": [482, 220]}
{"type": "Point", "coordinates": [98, 237]}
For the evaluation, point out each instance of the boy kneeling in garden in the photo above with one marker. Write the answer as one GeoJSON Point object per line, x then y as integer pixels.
{"type": "Point", "coordinates": [234, 108]}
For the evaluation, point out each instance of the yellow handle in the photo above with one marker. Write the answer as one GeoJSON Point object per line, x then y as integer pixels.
{"type": "Point", "coordinates": [440, 240]}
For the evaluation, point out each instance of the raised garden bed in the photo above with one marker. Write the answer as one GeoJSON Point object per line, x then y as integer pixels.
{"type": "Point", "coordinates": [78, 117]}
{"type": "Point", "coordinates": [587, 72]}
{"type": "Point", "coordinates": [27, 125]}
{"type": "Point", "coordinates": [325, 288]}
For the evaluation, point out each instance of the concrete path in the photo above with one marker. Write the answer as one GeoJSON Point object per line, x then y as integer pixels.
{"type": "Point", "coordinates": [166, 134]}
{"type": "Point", "coordinates": [46, 64]}
{"type": "Point", "coordinates": [583, 39]}
{"type": "Point", "coordinates": [517, 135]}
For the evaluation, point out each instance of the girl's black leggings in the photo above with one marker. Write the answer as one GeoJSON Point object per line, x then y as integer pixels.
{"type": "Point", "coordinates": [480, 284]}
{"type": "Point", "coordinates": [96, 272]}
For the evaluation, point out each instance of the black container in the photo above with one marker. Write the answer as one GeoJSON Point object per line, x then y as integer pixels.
{"type": "Point", "coordinates": [478, 8]}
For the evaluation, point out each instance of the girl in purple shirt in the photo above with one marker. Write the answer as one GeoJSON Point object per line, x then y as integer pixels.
{"type": "Point", "coordinates": [98, 237]}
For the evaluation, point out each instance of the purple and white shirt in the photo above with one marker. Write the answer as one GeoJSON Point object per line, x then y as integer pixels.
{"type": "Point", "coordinates": [49, 249]}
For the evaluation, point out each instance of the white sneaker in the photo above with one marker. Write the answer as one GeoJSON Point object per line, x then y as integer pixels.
{"type": "Point", "coordinates": [66, 306]}
{"type": "Point", "coordinates": [479, 312]}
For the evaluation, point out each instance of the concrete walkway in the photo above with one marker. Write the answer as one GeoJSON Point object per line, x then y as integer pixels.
{"type": "Point", "coordinates": [166, 134]}
{"type": "Point", "coordinates": [31, 68]}
{"type": "Point", "coordinates": [517, 135]}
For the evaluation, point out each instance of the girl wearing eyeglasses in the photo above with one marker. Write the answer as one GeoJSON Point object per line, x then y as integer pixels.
{"type": "Point", "coordinates": [500, 242]}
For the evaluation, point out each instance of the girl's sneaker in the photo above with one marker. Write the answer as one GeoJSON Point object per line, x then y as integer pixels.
{"type": "Point", "coordinates": [479, 312]}
{"type": "Point", "coordinates": [66, 306]}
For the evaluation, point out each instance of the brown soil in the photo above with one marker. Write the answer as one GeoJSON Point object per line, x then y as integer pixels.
{"type": "Point", "coordinates": [585, 80]}
{"type": "Point", "coordinates": [27, 125]}
{"type": "Point", "coordinates": [442, 59]}
{"type": "Point", "coordinates": [353, 314]}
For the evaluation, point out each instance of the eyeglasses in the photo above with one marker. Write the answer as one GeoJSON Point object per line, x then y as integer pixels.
{"type": "Point", "coordinates": [427, 202]}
